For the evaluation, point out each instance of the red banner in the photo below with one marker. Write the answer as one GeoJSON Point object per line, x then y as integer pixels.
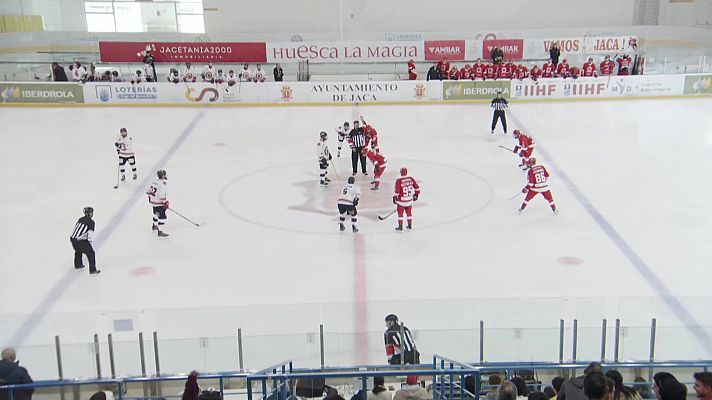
{"type": "Point", "coordinates": [436, 50]}
{"type": "Point", "coordinates": [184, 52]}
{"type": "Point", "coordinates": [513, 49]}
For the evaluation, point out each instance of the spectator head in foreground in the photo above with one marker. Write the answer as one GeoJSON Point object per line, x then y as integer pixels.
{"type": "Point", "coordinates": [593, 367]}
{"type": "Point", "coordinates": [521, 385]}
{"type": "Point", "coordinates": [12, 373]}
{"type": "Point", "coordinates": [536, 395]}
{"type": "Point", "coordinates": [507, 391]}
{"type": "Point", "coordinates": [672, 390]}
{"type": "Point", "coordinates": [703, 385]}
{"type": "Point", "coordinates": [594, 386]}
{"type": "Point", "coordinates": [556, 384]}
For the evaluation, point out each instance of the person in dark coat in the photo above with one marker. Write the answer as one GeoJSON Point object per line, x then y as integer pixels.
{"type": "Point", "coordinates": [278, 73]}
{"type": "Point", "coordinates": [11, 373]}
{"type": "Point", "coordinates": [573, 388]}
{"type": "Point", "coordinates": [192, 390]}
{"type": "Point", "coordinates": [433, 73]}
{"type": "Point", "coordinates": [497, 55]}
{"type": "Point", "coordinates": [58, 73]}
{"type": "Point", "coordinates": [555, 53]}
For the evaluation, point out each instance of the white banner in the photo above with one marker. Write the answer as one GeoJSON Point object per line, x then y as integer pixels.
{"type": "Point", "coordinates": [615, 86]}
{"type": "Point", "coordinates": [354, 92]}
{"type": "Point", "coordinates": [539, 48]}
{"type": "Point", "coordinates": [339, 52]}
{"type": "Point", "coordinates": [174, 93]}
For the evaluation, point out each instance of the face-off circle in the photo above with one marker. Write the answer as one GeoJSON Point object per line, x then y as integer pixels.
{"type": "Point", "coordinates": [570, 260]}
{"type": "Point", "coordinates": [288, 197]}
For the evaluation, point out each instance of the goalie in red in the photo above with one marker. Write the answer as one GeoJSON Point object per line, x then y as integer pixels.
{"type": "Point", "coordinates": [407, 191]}
{"type": "Point", "coordinates": [537, 178]}
{"type": "Point", "coordinates": [379, 165]}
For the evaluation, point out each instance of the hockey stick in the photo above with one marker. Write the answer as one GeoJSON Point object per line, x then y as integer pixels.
{"type": "Point", "coordinates": [335, 171]}
{"type": "Point", "coordinates": [118, 167]}
{"type": "Point", "coordinates": [184, 217]}
{"type": "Point", "coordinates": [515, 196]}
{"type": "Point", "coordinates": [382, 217]}
{"type": "Point", "coordinates": [506, 148]}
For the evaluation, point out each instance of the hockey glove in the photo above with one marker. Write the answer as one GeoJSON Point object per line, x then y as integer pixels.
{"type": "Point", "coordinates": [394, 199]}
{"type": "Point", "coordinates": [355, 201]}
{"type": "Point", "coordinates": [329, 156]}
{"type": "Point", "coordinates": [167, 205]}
{"type": "Point", "coordinates": [116, 144]}
{"type": "Point", "coordinates": [415, 197]}
{"type": "Point", "coordinates": [516, 149]}
{"type": "Point", "coordinates": [526, 189]}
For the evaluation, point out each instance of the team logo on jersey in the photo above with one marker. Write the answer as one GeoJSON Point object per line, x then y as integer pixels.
{"type": "Point", "coordinates": [211, 92]}
{"type": "Point", "coordinates": [103, 93]}
{"type": "Point", "coordinates": [287, 93]}
{"type": "Point", "coordinates": [420, 91]}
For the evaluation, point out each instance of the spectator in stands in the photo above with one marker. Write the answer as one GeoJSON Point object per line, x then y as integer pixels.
{"type": "Point", "coordinates": [92, 76]}
{"type": "Point", "coordinates": [556, 384]}
{"type": "Point", "coordinates": [594, 386]}
{"type": "Point", "coordinates": [412, 75]}
{"type": "Point", "coordinates": [643, 388]}
{"type": "Point", "coordinates": [521, 384]}
{"type": "Point", "coordinates": [536, 395]}
{"type": "Point", "coordinates": [278, 73]}
{"type": "Point", "coordinates": [11, 373]}
{"type": "Point", "coordinates": [102, 395]}
{"type": "Point", "coordinates": [507, 391]}
{"type": "Point", "coordinates": [703, 385]}
{"type": "Point", "coordinates": [58, 73]}
{"type": "Point", "coordinates": [433, 73]}
{"type": "Point", "coordinates": [622, 392]}
{"type": "Point", "coordinates": [192, 390]}
{"type": "Point", "coordinates": [497, 55]}
{"type": "Point", "coordinates": [550, 393]}
{"type": "Point", "coordinates": [412, 390]}
{"type": "Point", "coordinates": [379, 391]}
{"type": "Point", "coordinates": [573, 389]}
{"type": "Point", "coordinates": [610, 387]}
{"type": "Point", "coordinates": [79, 72]}
{"type": "Point", "coordinates": [116, 76]}
{"type": "Point", "coordinates": [493, 381]}
{"type": "Point", "coordinates": [667, 387]}
{"type": "Point", "coordinates": [555, 53]}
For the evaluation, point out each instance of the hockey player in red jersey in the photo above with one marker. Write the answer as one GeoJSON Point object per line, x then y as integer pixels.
{"type": "Point", "coordinates": [525, 147]}
{"type": "Point", "coordinates": [412, 75]}
{"type": "Point", "coordinates": [574, 72]}
{"type": "Point", "coordinates": [563, 70]}
{"type": "Point", "coordinates": [548, 69]}
{"type": "Point", "coordinates": [478, 70]}
{"type": "Point", "coordinates": [607, 66]}
{"type": "Point", "coordinates": [371, 135]}
{"type": "Point", "coordinates": [624, 64]}
{"type": "Point", "coordinates": [589, 68]}
{"type": "Point", "coordinates": [406, 192]}
{"type": "Point", "coordinates": [379, 165]}
{"type": "Point", "coordinates": [466, 72]}
{"type": "Point", "coordinates": [535, 73]}
{"type": "Point", "coordinates": [491, 72]}
{"type": "Point", "coordinates": [521, 72]}
{"type": "Point", "coordinates": [537, 178]}
{"type": "Point", "coordinates": [505, 70]}
{"type": "Point", "coordinates": [454, 73]}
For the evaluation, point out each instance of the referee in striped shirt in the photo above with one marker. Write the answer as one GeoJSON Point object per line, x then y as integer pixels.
{"type": "Point", "coordinates": [500, 105]}
{"type": "Point", "coordinates": [358, 140]}
{"type": "Point", "coordinates": [81, 239]}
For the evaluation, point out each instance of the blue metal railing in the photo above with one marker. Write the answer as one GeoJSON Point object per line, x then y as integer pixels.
{"type": "Point", "coordinates": [442, 370]}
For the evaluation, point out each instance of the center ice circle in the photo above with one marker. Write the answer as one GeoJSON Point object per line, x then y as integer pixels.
{"type": "Point", "coordinates": [288, 197]}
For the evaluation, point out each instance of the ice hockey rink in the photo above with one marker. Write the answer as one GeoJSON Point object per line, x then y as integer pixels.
{"type": "Point", "coordinates": [631, 179]}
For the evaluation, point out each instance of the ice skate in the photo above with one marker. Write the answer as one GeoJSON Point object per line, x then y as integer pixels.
{"type": "Point", "coordinates": [162, 234]}
{"type": "Point", "coordinates": [154, 227]}
{"type": "Point", "coordinates": [326, 178]}
{"type": "Point", "coordinates": [135, 176]}
{"type": "Point", "coordinates": [342, 227]}
{"type": "Point", "coordinates": [95, 272]}
{"type": "Point", "coordinates": [323, 183]}
{"type": "Point", "coordinates": [354, 228]}
{"type": "Point", "coordinates": [409, 227]}
{"type": "Point", "coordinates": [123, 178]}
{"type": "Point", "coordinates": [399, 228]}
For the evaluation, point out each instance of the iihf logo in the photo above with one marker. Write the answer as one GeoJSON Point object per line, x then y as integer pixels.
{"type": "Point", "coordinates": [103, 93]}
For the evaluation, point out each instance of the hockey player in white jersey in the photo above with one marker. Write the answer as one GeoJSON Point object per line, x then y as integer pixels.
{"type": "Point", "coordinates": [158, 199]}
{"type": "Point", "coordinates": [348, 200]}
{"type": "Point", "coordinates": [341, 133]}
{"type": "Point", "coordinates": [324, 156]}
{"type": "Point", "coordinates": [125, 149]}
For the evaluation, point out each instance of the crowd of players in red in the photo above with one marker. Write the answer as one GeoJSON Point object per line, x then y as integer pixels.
{"type": "Point", "coordinates": [507, 69]}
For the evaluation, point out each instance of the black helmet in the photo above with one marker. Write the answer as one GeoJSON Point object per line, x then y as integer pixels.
{"type": "Point", "coordinates": [161, 174]}
{"type": "Point", "coordinates": [88, 211]}
{"type": "Point", "coordinates": [322, 135]}
{"type": "Point", "coordinates": [352, 179]}
{"type": "Point", "coordinates": [391, 317]}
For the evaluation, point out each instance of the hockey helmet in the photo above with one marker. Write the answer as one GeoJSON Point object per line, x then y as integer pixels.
{"type": "Point", "coordinates": [346, 124]}
{"type": "Point", "coordinates": [88, 211]}
{"type": "Point", "coordinates": [391, 317]}
{"type": "Point", "coordinates": [161, 173]}
{"type": "Point", "coordinates": [531, 162]}
{"type": "Point", "coordinates": [404, 171]}
{"type": "Point", "coordinates": [516, 133]}
{"type": "Point", "coordinates": [351, 180]}
{"type": "Point", "coordinates": [323, 135]}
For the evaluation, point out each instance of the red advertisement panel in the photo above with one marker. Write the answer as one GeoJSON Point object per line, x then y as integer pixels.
{"type": "Point", "coordinates": [436, 50]}
{"type": "Point", "coordinates": [184, 51]}
{"type": "Point", "coordinates": [513, 49]}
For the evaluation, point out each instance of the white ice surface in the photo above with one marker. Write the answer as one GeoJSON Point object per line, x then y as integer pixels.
{"type": "Point", "coordinates": [268, 257]}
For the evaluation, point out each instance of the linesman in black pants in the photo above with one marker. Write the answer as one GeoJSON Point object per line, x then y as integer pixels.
{"type": "Point", "coordinates": [358, 141]}
{"type": "Point", "coordinates": [81, 239]}
{"type": "Point", "coordinates": [499, 104]}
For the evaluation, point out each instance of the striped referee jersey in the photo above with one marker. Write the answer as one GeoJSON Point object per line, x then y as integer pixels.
{"type": "Point", "coordinates": [499, 104]}
{"type": "Point", "coordinates": [357, 138]}
{"type": "Point", "coordinates": [83, 229]}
